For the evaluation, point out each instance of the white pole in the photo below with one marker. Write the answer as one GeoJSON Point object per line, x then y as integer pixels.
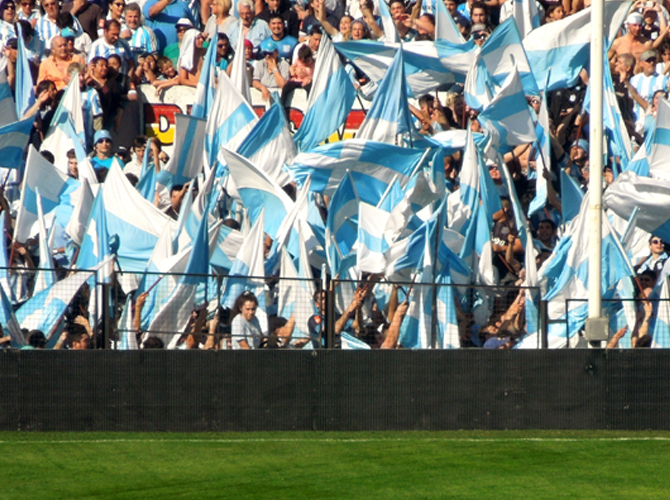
{"type": "Point", "coordinates": [594, 329]}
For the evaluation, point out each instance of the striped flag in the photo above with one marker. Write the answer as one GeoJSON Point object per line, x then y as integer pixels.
{"type": "Point", "coordinates": [14, 138]}
{"type": "Point", "coordinates": [186, 161]}
{"type": "Point", "coordinates": [24, 89]}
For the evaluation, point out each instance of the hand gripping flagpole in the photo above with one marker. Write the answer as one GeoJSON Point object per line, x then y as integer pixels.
{"type": "Point", "coordinates": [596, 325]}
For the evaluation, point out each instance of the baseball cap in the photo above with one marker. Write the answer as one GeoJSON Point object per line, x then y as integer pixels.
{"type": "Point", "coordinates": [648, 54]}
{"type": "Point", "coordinates": [634, 18]}
{"type": "Point", "coordinates": [183, 21]}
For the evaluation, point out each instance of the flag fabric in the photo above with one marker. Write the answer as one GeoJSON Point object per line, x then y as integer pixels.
{"type": "Point", "coordinates": [526, 16]}
{"type": "Point", "coordinates": [204, 90]}
{"type": "Point", "coordinates": [329, 101]}
{"type": "Point", "coordinates": [44, 310]}
{"type": "Point", "coordinates": [389, 114]}
{"type": "Point", "coordinates": [350, 342]}
{"type": "Point", "coordinates": [174, 314]}
{"type": "Point", "coordinates": [10, 325]}
{"type": "Point", "coordinates": [25, 92]}
{"type": "Point", "coordinates": [427, 64]}
{"type": "Point", "coordinates": [146, 185]}
{"type": "Point", "coordinates": [230, 120]}
{"type": "Point", "coordinates": [238, 74]}
{"type": "Point", "coordinates": [651, 196]}
{"type": "Point", "coordinates": [371, 243]}
{"type": "Point", "coordinates": [186, 161]}
{"type": "Point", "coordinates": [447, 335]}
{"type": "Point", "coordinates": [563, 46]}
{"type": "Point", "coordinates": [508, 115]}
{"type": "Point", "coordinates": [258, 192]}
{"type": "Point", "coordinates": [542, 158]}
{"type": "Point", "coordinates": [571, 197]}
{"type": "Point", "coordinates": [445, 27]}
{"type": "Point", "coordinates": [372, 165]}
{"type": "Point", "coordinates": [269, 145]}
{"type": "Point", "coordinates": [660, 144]}
{"type": "Point", "coordinates": [46, 274]}
{"type": "Point", "coordinates": [14, 138]}
{"type": "Point", "coordinates": [7, 104]}
{"type": "Point", "coordinates": [342, 224]}
{"type": "Point", "coordinates": [56, 189]}
{"type": "Point", "coordinates": [388, 24]}
{"type": "Point", "coordinates": [95, 245]}
{"type": "Point", "coordinates": [136, 222]}
{"type": "Point", "coordinates": [127, 333]}
{"type": "Point", "coordinates": [499, 57]}
{"type": "Point", "coordinates": [82, 210]}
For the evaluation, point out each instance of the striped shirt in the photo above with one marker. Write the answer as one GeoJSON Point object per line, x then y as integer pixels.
{"type": "Point", "coordinates": [100, 48]}
{"type": "Point", "coordinates": [646, 86]}
{"type": "Point", "coordinates": [90, 101]}
{"type": "Point", "coordinates": [47, 29]}
{"type": "Point", "coordinates": [143, 41]}
{"type": "Point", "coordinates": [7, 31]}
{"type": "Point", "coordinates": [35, 14]}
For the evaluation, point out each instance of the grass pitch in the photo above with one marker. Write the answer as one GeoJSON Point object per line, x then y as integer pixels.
{"type": "Point", "coordinates": [365, 465]}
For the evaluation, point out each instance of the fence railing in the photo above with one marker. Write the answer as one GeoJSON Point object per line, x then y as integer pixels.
{"type": "Point", "coordinates": [125, 310]}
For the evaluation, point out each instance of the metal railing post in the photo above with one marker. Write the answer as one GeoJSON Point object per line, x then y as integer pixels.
{"type": "Point", "coordinates": [330, 316]}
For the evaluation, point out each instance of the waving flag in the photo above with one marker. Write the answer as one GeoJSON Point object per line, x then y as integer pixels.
{"type": "Point", "coordinates": [389, 114]}
{"type": "Point", "coordinates": [55, 188]}
{"type": "Point", "coordinates": [329, 101]}
{"type": "Point", "coordinates": [572, 196]}
{"type": "Point", "coordinates": [25, 92]}
{"type": "Point", "coordinates": [10, 325]}
{"type": "Point", "coordinates": [508, 115]}
{"type": "Point", "coordinates": [238, 74]}
{"type": "Point", "coordinates": [14, 138]}
{"type": "Point", "coordinates": [499, 57]}
{"type": "Point", "coordinates": [147, 183]}
{"type": "Point", "coordinates": [43, 311]}
{"type": "Point", "coordinates": [95, 246]}
{"type": "Point", "coordinates": [204, 90]}
{"type": "Point", "coordinates": [543, 157]}
{"type": "Point", "coordinates": [445, 27]}
{"type": "Point", "coordinates": [230, 120]}
{"type": "Point", "coordinates": [7, 104]}
{"type": "Point", "coordinates": [371, 242]}
{"type": "Point", "coordinates": [258, 192]}
{"type": "Point", "coordinates": [127, 333]}
{"type": "Point", "coordinates": [269, 144]}
{"type": "Point", "coordinates": [373, 166]}
{"type": "Point", "coordinates": [388, 24]}
{"type": "Point", "coordinates": [563, 46]}
{"type": "Point", "coordinates": [186, 161]}
{"type": "Point", "coordinates": [526, 16]}
{"type": "Point", "coordinates": [46, 275]}
{"type": "Point", "coordinates": [342, 224]}
{"type": "Point", "coordinates": [652, 196]}
{"type": "Point", "coordinates": [427, 64]}
{"type": "Point", "coordinates": [660, 143]}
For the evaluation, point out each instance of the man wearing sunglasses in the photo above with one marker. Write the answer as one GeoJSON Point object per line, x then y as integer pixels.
{"type": "Point", "coordinates": [103, 151]}
{"type": "Point", "coordinates": [479, 33]}
{"type": "Point", "coordinates": [656, 259]}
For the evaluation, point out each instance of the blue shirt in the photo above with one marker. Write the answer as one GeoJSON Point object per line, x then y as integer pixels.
{"type": "Point", "coordinates": [285, 46]}
{"type": "Point", "coordinates": [164, 23]}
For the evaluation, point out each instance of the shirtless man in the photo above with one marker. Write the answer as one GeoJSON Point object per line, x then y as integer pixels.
{"type": "Point", "coordinates": [633, 42]}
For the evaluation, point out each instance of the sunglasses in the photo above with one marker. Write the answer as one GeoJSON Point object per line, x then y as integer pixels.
{"type": "Point", "coordinates": [480, 36]}
{"type": "Point", "coordinates": [656, 242]}
{"type": "Point", "coordinates": [105, 140]}
{"type": "Point", "coordinates": [47, 5]}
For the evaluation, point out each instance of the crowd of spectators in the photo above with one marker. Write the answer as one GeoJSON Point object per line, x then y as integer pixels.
{"type": "Point", "coordinates": [113, 47]}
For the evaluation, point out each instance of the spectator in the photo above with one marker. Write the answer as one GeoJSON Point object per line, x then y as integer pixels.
{"type": "Point", "coordinates": [290, 17]}
{"type": "Point", "coordinates": [174, 49]}
{"type": "Point", "coordinates": [103, 156]}
{"type": "Point", "coordinates": [220, 22]}
{"type": "Point", "coordinates": [245, 329]}
{"type": "Point", "coordinates": [89, 15]}
{"type": "Point", "coordinates": [55, 67]}
{"type": "Point", "coordinates": [252, 28]}
{"type": "Point", "coordinates": [141, 39]}
{"type": "Point", "coordinates": [270, 72]}
{"type": "Point", "coordinates": [47, 26]}
{"type": "Point", "coordinates": [160, 16]}
{"type": "Point", "coordinates": [110, 43]}
{"type": "Point", "coordinates": [283, 43]}
{"type": "Point", "coordinates": [656, 259]}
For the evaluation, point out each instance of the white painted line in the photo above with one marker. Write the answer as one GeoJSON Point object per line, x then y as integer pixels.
{"type": "Point", "coordinates": [339, 440]}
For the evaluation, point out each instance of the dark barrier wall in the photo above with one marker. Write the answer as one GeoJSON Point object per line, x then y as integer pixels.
{"type": "Point", "coordinates": [333, 390]}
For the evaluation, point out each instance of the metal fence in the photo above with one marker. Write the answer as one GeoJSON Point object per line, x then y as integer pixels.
{"type": "Point", "coordinates": [124, 310]}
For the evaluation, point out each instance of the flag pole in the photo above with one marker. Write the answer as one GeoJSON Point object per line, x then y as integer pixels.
{"type": "Point", "coordinates": [596, 324]}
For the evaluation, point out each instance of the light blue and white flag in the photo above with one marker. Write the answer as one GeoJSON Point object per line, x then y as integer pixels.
{"type": "Point", "coordinates": [146, 185]}
{"type": "Point", "coordinates": [10, 325]}
{"type": "Point", "coordinates": [81, 213]}
{"type": "Point", "coordinates": [67, 129]}
{"type": "Point", "coordinates": [427, 64]}
{"type": "Point", "coordinates": [568, 265]}
{"type": "Point", "coordinates": [55, 188]}
{"type": "Point", "coordinates": [4, 260]}
{"type": "Point", "coordinates": [660, 144]}
{"type": "Point", "coordinates": [174, 314]}
{"type": "Point", "coordinates": [95, 246]}
{"type": "Point", "coordinates": [258, 192]}
{"type": "Point", "coordinates": [204, 90]}
{"type": "Point", "coordinates": [652, 196]}
{"type": "Point", "coordinates": [373, 166]}
{"type": "Point", "coordinates": [330, 99]}
{"type": "Point", "coordinates": [493, 65]}
{"type": "Point", "coordinates": [24, 90]}
{"type": "Point", "coordinates": [661, 327]}
{"type": "Point", "coordinates": [388, 24]}
{"type": "Point", "coordinates": [571, 196]}
{"type": "Point", "coordinates": [127, 333]}
{"type": "Point", "coordinates": [46, 274]}
{"type": "Point", "coordinates": [526, 16]}
{"type": "Point", "coordinates": [269, 145]}
{"type": "Point", "coordinates": [238, 74]}
{"type": "Point", "coordinates": [542, 158]}
{"type": "Point", "coordinates": [563, 46]}
{"type": "Point", "coordinates": [43, 311]}
{"type": "Point", "coordinates": [389, 114]}
{"type": "Point", "coordinates": [445, 27]}
{"type": "Point", "coordinates": [447, 322]}
{"type": "Point", "coordinates": [342, 224]}
{"type": "Point", "coordinates": [186, 161]}
{"type": "Point", "coordinates": [508, 115]}
{"type": "Point", "coordinates": [7, 104]}
{"type": "Point", "coordinates": [136, 222]}
{"type": "Point", "coordinates": [14, 138]}
{"type": "Point", "coordinates": [230, 120]}
{"type": "Point", "coordinates": [248, 269]}
{"type": "Point", "coordinates": [371, 243]}
{"type": "Point", "coordinates": [350, 342]}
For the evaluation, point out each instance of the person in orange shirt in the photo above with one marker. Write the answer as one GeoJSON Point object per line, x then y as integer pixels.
{"type": "Point", "coordinates": [54, 67]}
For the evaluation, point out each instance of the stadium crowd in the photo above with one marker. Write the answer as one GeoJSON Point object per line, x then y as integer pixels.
{"type": "Point", "coordinates": [112, 49]}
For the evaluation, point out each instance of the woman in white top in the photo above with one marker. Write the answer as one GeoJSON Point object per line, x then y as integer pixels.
{"type": "Point", "coordinates": [245, 329]}
{"type": "Point", "coordinates": [220, 20]}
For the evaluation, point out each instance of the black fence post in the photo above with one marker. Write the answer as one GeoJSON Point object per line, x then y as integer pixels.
{"type": "Point", "coordinates": [544, 342]}
{"type": "Point", "coordinates": [330, 315]}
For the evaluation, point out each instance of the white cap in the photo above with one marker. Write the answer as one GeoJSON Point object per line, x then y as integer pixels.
{"type": "Point", "coordinates": [634, 18]}
{"type": "Point", "coordinates": [184, 21]}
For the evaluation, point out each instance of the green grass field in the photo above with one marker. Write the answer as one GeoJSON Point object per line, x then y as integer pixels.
{"type": "Point", "coordinates": [366, 465]}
